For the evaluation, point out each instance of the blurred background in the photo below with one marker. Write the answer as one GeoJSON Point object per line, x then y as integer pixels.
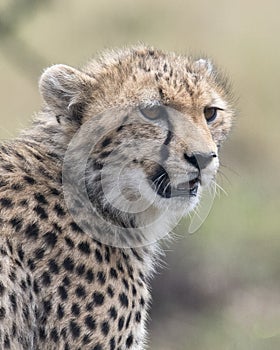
{"type": "Point", "coordinates": [220, 287]}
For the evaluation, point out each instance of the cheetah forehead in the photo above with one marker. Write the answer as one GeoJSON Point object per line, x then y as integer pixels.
{"type": "Point", "coordinates": [140, 75]}
{"type": "Point", "coordinates": [158, 75]}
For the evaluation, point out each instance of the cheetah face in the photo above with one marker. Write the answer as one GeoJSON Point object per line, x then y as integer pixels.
{"type": "Point", "coordinates": [142, 129]}
{"type": "Point", "coordinates": [151, 159]}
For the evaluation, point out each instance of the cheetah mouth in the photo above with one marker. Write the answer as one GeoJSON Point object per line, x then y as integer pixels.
{"type": "Point", "coordinates": [161, 184]}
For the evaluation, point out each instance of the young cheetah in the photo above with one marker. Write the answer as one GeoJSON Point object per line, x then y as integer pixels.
{"type": "Point", "coordinates": [120, 151]}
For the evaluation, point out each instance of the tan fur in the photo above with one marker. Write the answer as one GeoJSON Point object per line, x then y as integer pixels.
{"type": "Point", "coordinates": [59, 287]}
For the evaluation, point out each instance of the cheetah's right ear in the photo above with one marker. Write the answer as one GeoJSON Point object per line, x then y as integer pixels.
{"type": "Point", "coordinates": [65, 88]}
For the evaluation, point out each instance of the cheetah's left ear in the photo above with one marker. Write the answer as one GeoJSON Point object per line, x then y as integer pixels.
{"type": "Point", "coordinates": [63, 88]}
{"type": "Point", "coordinates": [205, 64]}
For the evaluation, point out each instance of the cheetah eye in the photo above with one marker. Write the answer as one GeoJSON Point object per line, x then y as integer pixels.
{"type": "Point", "coordinates": [210, 113]}
{"type": "Point", "coordinates": [153, 113]}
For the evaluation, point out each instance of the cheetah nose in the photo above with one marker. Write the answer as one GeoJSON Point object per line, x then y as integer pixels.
{"type": "Point", "coordinates": [200, 160]}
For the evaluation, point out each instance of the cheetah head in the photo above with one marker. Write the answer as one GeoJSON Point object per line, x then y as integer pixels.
{"type": "Point", "coordinates": [143, 130]}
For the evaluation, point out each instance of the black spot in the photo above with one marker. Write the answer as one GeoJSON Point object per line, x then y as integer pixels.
{"type": "Point", "coordinates": [105, 328]}
{"type": "Point", "coordinates": [32, 231]}
{"type": "Point", "coordinates": [123, 300]}
{"type": "Point", "coordinates": [120, 128]}
{"type": "Point", "coordinates": [113, 313]}
{"type": "Point", "coordinates": [29, 180]}
{"type": "Point", "coordinates": [64, 332]}
{"type": "Point", "coordinates": [40, 198]}
{"type": "Point", "coordinates": [57, 227]}
{"type": "Point", "coordinates": [84, 247]}
{"type": "Point", "coordinates": [107, 254]}
{"type": "Point", "coordinates": [7, 343]}
{"type": "Point", "coordinates": [69, 242]}
{"type": "Point", "coordinates": [53, 266]}
{"type": "Point", "coordinates": [74, 329]}
{"type": "Point", "coordinates": [59, 210]}
{"type": "Point", "coordinates": [23, 285]}
{"type": "Point", "coordinates": [50, 238]}
{"type": "Point", "coordinates": [41, 212]}
{"type": "Point", "coordinates": [47, 306]}
{"type": "Point", "coordinates": [89, 306]}
{"type": "Point", "coordinates": [106, 142]}
{"type": "Point", "coordinates": [68, 264]}
{"type": "Point", "coordinates": [75, 227]}
{"type": "Point", "coordinates": [25, 312]}
{"type": "Point", "coordinates": [54, 191]}
{"type": "Point", "coordinates": [23, 203]}
{"type": "Point", "coordinates": [66, 281]}
{"type": "Point", "coordinates": [101, 277]}
{"type": "Point", "coordinates": [6, 202]}
{"type": "Point", "coordinates": [120, 267]}
{"type": "Point", "coordinates": [128, 321]}
{"type": "Point", "coordinates": [110, 292]}
{"type": "Point", "coordinates": [54, 335]}
{"type": "Point", "coordinates": [129, 341]}
{"type": "Point", "coordinates": [104, 154]}
{"type": "Point", "coordinates": [75, 309]}
{"type": "Point", "coordinates": [89, 276]}
{"type": "Point", "coordinates": [17, 187]}
{"type": "Point", "coordinates": [20, 254]}
{"type": "Point", "coordinates": [97, 347]}
{"type": "Point", "coordinates": [62, 292]}
{"type": "Point", "coordinates": [2, 312]}
{"type": "Point", "coordinates": [42, 333]}
{"type": "Point", "coordinates": [90, 322]}
{"type": "Point", "coordinates": [125, 283]}
{"type": "Point", "coordinates": [97, 165]}
{"type": "Point", "coordinates": [86, 339]}
{"type": "Point", "coordinates": [3, 183]}
{"type": "Point", "coordinates": [80, 291]}
{"type": "Point", "coordinates": [8, 167]}
{"type": "Point", "coordinates": [31, 264]}
{"type": "Point", "coordinates": [13, 301]}
{"type": "Point", "coordinates": [134, 292]}
{"type": "Point", "coordinates": [14, 329]}
{"type": "Point", "coordinates": [112, 344]}
{"type": "Point", "coordinates": [113, 273]}
{"type": "Point", "coordinates": [12, 276]}
{"type": "Point", "coordinates": [121, 323]}
{"type": "Point", "coordinates": [39, 253]}
{"type": "Point", "coordinates": [98, 256]}
{"type": "Point", "coordinates": [138, 317]}
{"type": "Point", "coordinates": [46, 279]}
{"type": "Point", "coordinates": [60, 311]}
{"type": "Point", "coordinates": [16, 222]}
{"type": "Point", "coordinates": [142, 301]}
{"type": "Point", "coordinates": [98, 298]}
{"type": "Point", "coordinates": [80, 269]}
{"type": "Point", "coordinates": [36, 288]}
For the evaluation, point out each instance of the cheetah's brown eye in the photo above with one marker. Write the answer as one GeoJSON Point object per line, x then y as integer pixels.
{"type": "Point", "coordinates": [153, 113]}
{"type": "Point", "coordinates": [210, 113]}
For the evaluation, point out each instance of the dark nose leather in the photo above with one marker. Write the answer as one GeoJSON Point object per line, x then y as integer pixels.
{"type": "Point", "coordinates": [200, 160]}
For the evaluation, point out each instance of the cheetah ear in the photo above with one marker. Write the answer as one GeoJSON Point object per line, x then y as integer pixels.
{"type": "Point", "coordinates": [65, 88]}
{"type": "Point", "coordinates": [205, 64]}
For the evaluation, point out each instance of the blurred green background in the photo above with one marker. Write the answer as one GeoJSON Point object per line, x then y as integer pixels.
{"type": "Point", "coordinates": [220, 288]}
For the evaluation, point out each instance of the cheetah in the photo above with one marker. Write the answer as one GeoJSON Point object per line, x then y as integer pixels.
{"type": "Point", "coordinates": [120, 150]}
